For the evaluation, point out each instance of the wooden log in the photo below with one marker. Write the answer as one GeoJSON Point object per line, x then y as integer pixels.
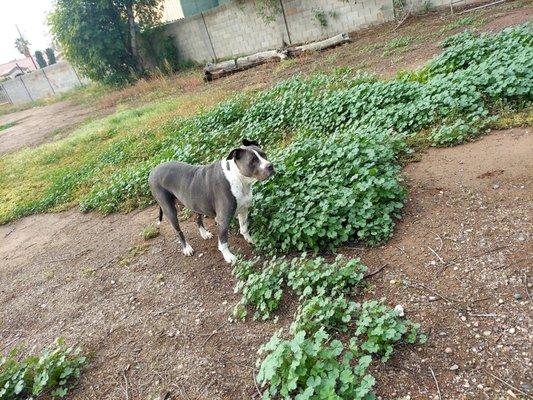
{"type": "Point", "coordinates": [321, 45]}
{"type": "Point", "coordinates": [214, 71]}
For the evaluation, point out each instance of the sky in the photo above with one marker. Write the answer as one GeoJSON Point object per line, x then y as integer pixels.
{"type": "Point", "coordinates": [30, 16]}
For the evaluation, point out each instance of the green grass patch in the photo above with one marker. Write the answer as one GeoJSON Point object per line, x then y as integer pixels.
{"type": "Point", "coordinates": [8, 125]}
{"type": "Point", "coordinates": [150, 232]}
{"type": "Point", "coordinates": [396, 43]}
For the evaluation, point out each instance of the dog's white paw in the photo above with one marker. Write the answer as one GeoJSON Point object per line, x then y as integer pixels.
{"type": "Point", "coordinates": [188, 250]}
{"type": "Point", "coordinates": [205, 234]}
{"type": "Point", "coordinates": [248, 238]}
{"type": "Point", "coordinates": [229, 258]}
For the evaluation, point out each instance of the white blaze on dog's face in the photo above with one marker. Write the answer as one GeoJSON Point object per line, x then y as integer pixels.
{"type": "Point", "coordinates": [252, 161]}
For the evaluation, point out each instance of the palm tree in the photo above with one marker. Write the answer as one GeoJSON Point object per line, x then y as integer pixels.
{"type": "Point", "coordinates": [23, 46]}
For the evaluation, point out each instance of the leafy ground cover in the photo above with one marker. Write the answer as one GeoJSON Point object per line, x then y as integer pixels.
{"type": "Point", "coordinates": [333, 340]}
{"type": "Point", "coordinates": [318, 121]}
{"type": "Point", "coordinates": [52, 373]}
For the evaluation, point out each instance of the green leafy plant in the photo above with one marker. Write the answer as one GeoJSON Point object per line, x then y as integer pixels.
{"type": "Point", "coordinates": [381, 327]}
{"type": "Point", "coordinates": [262, 290]}
{"type": "Point", "coordinates": [54, 372]}
{"type": "Point", "coordinates": [312, 367]}
{"type": "Point", "coordinates": [321, 16]}
{"type": "Point", "coordinates": [332, 313]}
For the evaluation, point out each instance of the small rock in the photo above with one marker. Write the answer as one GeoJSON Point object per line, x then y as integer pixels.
{"type": "Point", "coordinates": [432, 298]}
{"type": "Point", "coordinates": [454, 367]}
{"type": "Point", "coordinates": [512, 330]}
{"type": "Point", "coordinates": [393, 282]}
{"type": "Point", "coordinates": [399, 310]}
{"type": "Point", "coordinates": [480, 386]}
{"type": "Point", "coordinates": [495, 186]}
{"type": "Point", "coordinates": [478, 336]}
{"type": "Point", "coordinates": [487, 333]}
{"type": "Point", "coordinates": [463, 318]}
{"type": "Point", "coordinates": [511, 393]}
{"type": "Point", "coordinates": [448, 350]}
{"type": "Point", "coordinates": [112, 282]}
{"type": "Point", "coordinates": [500, 301]}
{"type": "Point", "coordinates": [517, 296]}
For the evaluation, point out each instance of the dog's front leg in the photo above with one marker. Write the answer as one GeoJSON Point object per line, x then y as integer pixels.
{"type": "Point", "coordinates": [223, 228]}
{"type": "Point", "coordinates": [243, 224]}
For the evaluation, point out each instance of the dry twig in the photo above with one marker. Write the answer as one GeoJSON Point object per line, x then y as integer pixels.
{"type": "Point", "coordinates": [376, 271]}
{"type": "Point", "coordinates": [127, 384]}
{"type": "Point", "coordinates": [436, 383]}
{"type": "Point", "coordinates": [214, 333]}
{"type": "Point", "coordinates": [255, 383]}
{"type": "Point", "coordinates": [525, 283]}
{"type": "Point", "coordinates": [439, 257]}
{"type": "Point", "coordinates": [508, 384]}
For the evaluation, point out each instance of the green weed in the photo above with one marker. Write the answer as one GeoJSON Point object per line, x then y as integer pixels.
{"type": "Point", "coordinates": [150, 232]}
{"type": "Point", "coordinates": [52, 373]}
{"type": "Point", "coordinates": [8, 125]}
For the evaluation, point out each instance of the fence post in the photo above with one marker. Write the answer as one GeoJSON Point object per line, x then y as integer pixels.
{"type": "Point", "coordinates": [209, 37]}
{"type": "Point", "coordinates": [285, 20]}
{"type": "Point", "coordinates": [48, 80]}
{"type": "Point", "coordinates": [25, 87]}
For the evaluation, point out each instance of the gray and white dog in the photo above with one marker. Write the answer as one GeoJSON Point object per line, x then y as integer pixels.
{"type": "Point", "coordinates": [220, 190]}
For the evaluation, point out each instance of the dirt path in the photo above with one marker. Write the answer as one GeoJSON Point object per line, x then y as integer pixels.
{"type": "Point", "coordinates": [143, 307]}
{"type": "Point", "coordinates": [43, 124]}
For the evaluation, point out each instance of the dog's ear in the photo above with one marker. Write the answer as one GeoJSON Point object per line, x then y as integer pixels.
{"type": "Point", "coordinates": [235, 154]}
{"type": "Point", "coordinates": [247, 142]}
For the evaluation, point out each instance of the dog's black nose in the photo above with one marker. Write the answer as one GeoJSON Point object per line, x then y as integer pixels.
{"type": "Point", "coordinates": [270, 168]}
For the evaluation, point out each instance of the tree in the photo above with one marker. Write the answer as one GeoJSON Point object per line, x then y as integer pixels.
{"type": "Point", "coordinates": [23, 46]}
{"type": "Point", "coordinates": [100, 36]}
{"type": "Point", "coordinates": [40, 59]}
{"type": "Point", "coordinates": [50, 55]}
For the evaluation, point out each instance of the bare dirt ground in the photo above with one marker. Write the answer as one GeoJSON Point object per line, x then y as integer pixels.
{"type": "Point", "coordinates": [155, 323]}
{"type": "Point", "coordinates": [42, 124]}
{"type": "Point", "coordinates": [143, 308]}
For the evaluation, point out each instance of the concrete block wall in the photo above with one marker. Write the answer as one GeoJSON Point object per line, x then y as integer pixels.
{"type": "Point", "coordinates": [235, 28]}
{"type": "Point", "coordinates": [45, 82]}
{"type": "Point", "coordinates": [341, 16]}
{"type": "Point", "coordinates": [239, 30]}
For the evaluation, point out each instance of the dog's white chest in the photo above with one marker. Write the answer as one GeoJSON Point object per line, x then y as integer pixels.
{"type": "Point", "coordinates": [240, 187]}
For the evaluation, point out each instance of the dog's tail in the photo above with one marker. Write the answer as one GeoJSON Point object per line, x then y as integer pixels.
{"type": "Point", "coordinates": [160, 216]}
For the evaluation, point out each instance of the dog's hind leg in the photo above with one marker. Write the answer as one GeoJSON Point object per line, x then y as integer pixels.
{"type": "Point", "coordinates": [167, 203]}
{"type": "Point", "coordinates": [204, 233]}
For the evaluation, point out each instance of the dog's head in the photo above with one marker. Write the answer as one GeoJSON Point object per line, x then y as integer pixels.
{"type": "Point", "coordinates": [252, 161]}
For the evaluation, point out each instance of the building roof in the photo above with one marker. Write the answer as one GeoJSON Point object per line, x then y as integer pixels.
{"type": "Point", "coordinates": [24, 63]}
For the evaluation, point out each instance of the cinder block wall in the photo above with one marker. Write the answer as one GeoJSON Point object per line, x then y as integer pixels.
{"type": "Point", "coordinates": [45, 82]}
{"type": "Point", "coordinates": [235, 28]}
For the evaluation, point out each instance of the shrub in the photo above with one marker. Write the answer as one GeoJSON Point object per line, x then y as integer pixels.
{"type": "Point", "coordinates": [40, 59]}
{"type": "Point", "coordinates": [50, 55]}
{"type": "Point", "coordinates": [54, 372]}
